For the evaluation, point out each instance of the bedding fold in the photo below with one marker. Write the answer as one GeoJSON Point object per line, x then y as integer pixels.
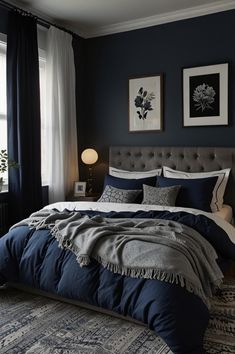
{"type": "Point", "coordinates": [30, 256]}
{"type": "Point", "coordinates": [140, 248]}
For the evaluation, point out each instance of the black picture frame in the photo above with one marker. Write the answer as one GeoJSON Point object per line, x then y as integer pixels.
{"type": "Point", "coordinates": [205, 95]}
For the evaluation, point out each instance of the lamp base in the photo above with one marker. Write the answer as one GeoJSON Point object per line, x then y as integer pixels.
{"type": "Point", "coordinates": [90, 180]}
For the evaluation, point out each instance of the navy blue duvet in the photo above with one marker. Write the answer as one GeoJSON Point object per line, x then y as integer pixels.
{"type": "Point", "coordinates": [33, 258]}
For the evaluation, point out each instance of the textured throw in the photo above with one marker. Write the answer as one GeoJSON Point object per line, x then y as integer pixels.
{"type": "Point", "coordinates": [32, 324]}
{"type": "Point", "coordinates": [148, 248]}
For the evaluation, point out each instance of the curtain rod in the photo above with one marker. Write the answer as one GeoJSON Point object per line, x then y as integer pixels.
{"type": "Point", "coordinates": [40, 20]}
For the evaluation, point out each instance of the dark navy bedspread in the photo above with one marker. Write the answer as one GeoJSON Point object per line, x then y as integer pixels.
{"type": "Point", "coordinates": [33, 258]}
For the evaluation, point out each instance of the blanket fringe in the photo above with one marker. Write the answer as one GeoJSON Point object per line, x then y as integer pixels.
{"type": "Point", "coordinates": [153, 273]}
{"type": "Point", "coordinates": [83, 260]}
{"type": "Point", "coordinates": [146, 273]}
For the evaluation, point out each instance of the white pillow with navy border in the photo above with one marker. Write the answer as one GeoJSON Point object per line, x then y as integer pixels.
{"type": "Point", "coordinates": [115, 172]}
{"type": "Point", "coordinates": [219, 189]}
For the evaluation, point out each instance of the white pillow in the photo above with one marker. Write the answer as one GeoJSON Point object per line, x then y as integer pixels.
{"type": "Point", "coordinates": [133, 174]}
{"type": "Point", "coordinates": [218, 192]}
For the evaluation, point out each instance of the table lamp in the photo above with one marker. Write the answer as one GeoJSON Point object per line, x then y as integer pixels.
{"type": "Point", "coordinates": [89, 157]}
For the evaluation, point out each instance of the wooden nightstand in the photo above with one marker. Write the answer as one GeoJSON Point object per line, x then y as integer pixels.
{"type": "Point", "coordinates": [84, 198]}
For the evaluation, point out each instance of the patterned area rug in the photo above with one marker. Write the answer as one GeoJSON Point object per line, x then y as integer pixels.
{"type": "Point", "coordinates": [33, 324]}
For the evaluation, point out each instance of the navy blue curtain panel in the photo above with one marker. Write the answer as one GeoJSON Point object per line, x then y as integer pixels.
{"type": "Point", "coordinates": [23, 114]}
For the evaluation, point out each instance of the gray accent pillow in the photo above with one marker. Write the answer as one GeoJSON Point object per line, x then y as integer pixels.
{"type": "Point", "coordinates": [160, 196]}
{"type": "Point", "coordinates": [116, 195]}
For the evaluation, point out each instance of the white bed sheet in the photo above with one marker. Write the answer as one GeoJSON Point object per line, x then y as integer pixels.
{"type": "Point", "coordinates": [226, 213]}
{"type": "Point", "coordinates": [106, 207]}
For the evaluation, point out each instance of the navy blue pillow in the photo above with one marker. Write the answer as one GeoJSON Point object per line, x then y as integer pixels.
{"type": "Point", "coordinates": [194, 193]}
{"type": "Point", "coordinates": [125, 183]}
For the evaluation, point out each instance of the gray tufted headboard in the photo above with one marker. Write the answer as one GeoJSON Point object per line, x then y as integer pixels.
{"type": "Point", "coordinates": [193, 159]}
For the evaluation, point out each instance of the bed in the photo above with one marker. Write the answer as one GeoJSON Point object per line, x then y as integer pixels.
{"type": "Point", "coordinates": [31, 258]}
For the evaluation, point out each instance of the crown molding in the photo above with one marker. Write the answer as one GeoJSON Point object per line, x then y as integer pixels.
{"type": "Point", "coordinates": [173, 16]}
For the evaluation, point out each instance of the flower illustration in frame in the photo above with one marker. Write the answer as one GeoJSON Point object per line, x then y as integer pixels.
{"type": "Point", "coordinates": [145, 103]}
{"type": "Point", "coordinates": [205, 95]}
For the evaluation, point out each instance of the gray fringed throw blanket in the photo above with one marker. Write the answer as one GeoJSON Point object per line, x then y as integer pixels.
{"type": "Point", "coordinates": [145, 248]}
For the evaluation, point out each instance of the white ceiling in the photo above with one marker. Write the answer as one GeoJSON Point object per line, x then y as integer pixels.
{"type": "Point", "coordinates": [91, 18]}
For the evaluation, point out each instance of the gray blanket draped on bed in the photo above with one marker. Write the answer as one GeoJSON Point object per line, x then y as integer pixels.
{"type": "Point", "coordinates": [146, 248]}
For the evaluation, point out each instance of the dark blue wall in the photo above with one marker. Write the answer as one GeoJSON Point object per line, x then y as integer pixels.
{"type": "Point", "coordinates": [108, 62]}
{"type": "Point", "coordinates": [166, 49]}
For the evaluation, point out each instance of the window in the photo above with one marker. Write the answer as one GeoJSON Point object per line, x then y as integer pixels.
{"type": "Point", "coordinates": [3, 100]}
{"type": "Point", "coordinates": [3, 107]}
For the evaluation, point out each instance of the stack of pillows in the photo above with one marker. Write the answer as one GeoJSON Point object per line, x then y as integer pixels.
{"type": "Point", "coordinates": [168, 187]}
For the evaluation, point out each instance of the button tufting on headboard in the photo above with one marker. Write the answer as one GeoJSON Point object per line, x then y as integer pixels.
{"type": "Point", "coordinates": [192, 159]}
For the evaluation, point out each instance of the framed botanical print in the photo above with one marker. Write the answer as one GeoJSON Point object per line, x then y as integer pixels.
{"type": "Point", "coordinates": [145, 103]}
{"type": "Point", "coordinates": [205, 95]}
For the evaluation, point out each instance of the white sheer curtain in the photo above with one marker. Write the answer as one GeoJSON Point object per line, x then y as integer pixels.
{"type": "Point", "coordinates": [61, 115]}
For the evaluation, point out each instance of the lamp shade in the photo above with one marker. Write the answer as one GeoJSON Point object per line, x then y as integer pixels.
{"type": "Point", "coordinates": [89, 156]}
